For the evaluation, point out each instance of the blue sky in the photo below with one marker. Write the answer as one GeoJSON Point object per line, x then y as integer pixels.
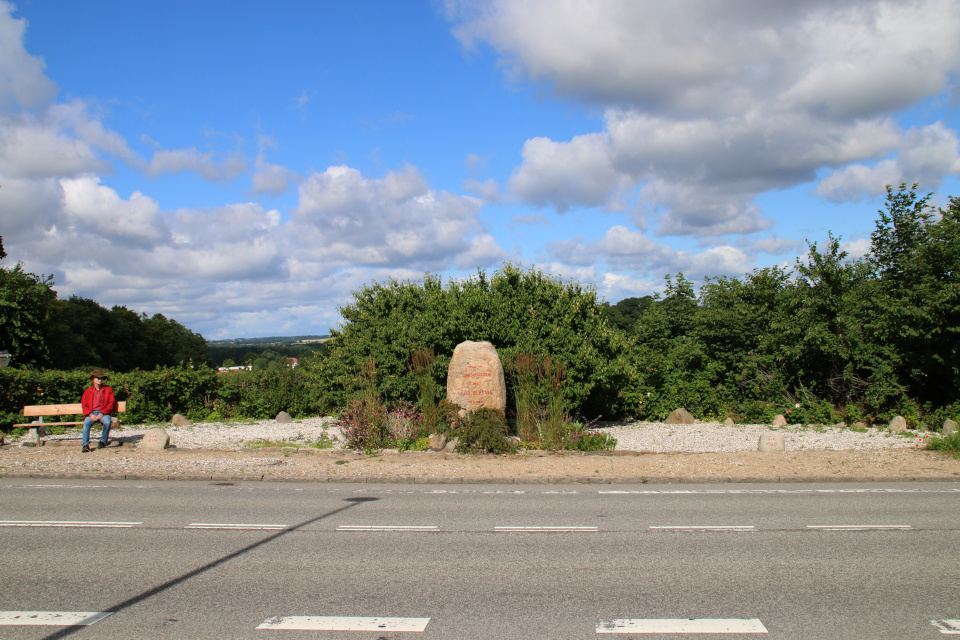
{"type": "Point", "coordinates": [242, 168]}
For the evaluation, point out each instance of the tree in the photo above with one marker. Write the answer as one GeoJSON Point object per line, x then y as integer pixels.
{"type": "Point", "coordinates": [25, 299]}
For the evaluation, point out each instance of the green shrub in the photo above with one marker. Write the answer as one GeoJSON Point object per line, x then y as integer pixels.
{"type": "Point", "coordinates": [948, 443]}
{"type": "Point", "coordinates": [483, 431]}
{"type": "Point", "coordinates": [592, 441]}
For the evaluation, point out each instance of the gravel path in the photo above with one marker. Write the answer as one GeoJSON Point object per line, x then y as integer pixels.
{"type": "Point", "coordinates": [634, 436]}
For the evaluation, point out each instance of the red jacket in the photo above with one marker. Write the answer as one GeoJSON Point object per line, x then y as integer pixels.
{"type": "Point", "coordinates": [108, 402]}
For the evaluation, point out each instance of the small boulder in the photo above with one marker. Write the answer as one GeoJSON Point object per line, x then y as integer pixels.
{"type": "Point", "coordinates": [779, 421]}
{"type": "Point", "coordinates": [898, 424]}
{"type": "Point", "coordinates": [728, 422]}
{"type": "Point", "coordinates": [284, 417]}
{"type": "Point", "coordinates": [437, 441]}
{"type": "Point", "coordinates": [861, 425]}
{"type": "Point", "coordinates": [155, 440]}
{"type": "Point", "coordinates": [179, 421]}
{"type": "Point", "coordinates": [949, 428]}
{"type": "Point", "coordinates": [772, 443]}
{"type": "Point", "coordinates": [451, 445]}
{"type": "Point", "coordinates": [680, 416]}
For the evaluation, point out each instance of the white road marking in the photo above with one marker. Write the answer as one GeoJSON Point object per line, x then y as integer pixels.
{"type": "Point", "coordinates": [384, 527]}
{"type": "Point", "coordinates": [214, 525]}
{"type": "Point", "coordinates": [706, 528]}
{"type": "Point", "coordinates": [66, 523]}
{"type": "Point", "coordinates": [947, 627]}
{"type": "Point", "coordinates": [53, 618]}
{"type": "Point", "coordinates": [860, 527]}
{"type": "Point", "coordinates": [338, 623]}
{"type": "Point", "coordinates": [543, 529]}
{"type": "Point", "coordinates": [667, 625]}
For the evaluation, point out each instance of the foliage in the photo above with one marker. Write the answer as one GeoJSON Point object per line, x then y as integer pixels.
{"type": "Point", "coordinates": [483, 431]}
{"type": "Point", "coordinates": [25, 299]}
{"type": "Point", "coordinates": [516, 310]}
{"type": "Point", "coordinates": [523, 374]}
{"type": "Point", "coordinates": [946, 443]}
{"type": "Point", "coordinates": [592, 441]}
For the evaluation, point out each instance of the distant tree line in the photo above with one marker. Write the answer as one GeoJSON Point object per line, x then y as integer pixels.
{"type": "Point", "coordinates": [41, 331]}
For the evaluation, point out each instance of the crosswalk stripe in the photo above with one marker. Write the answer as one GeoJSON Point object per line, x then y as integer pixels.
{"type": "Point", "coordinates": [860, 527]}
{"type": "Point", "coordinates": [339, 623]}
{"type": "Point", "coordinates": [705, 528]}
{"type": "Point", "coordinates": [213, 525]}
{"type": "Point", "coordinates": [682, 625]}
{"type": "Point", "coordinates": [544, 529]}
{"type": "Point", "coordinates": [53, 618]}
{"type": "Point", "coordinates": [947, 627]}
{"type": "Point", "coordinates": [384, 527]}
{"type": "Point", "coordinates": [66, 523]}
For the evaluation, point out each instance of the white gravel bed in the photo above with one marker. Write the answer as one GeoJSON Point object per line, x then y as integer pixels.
{"type": "Point", "coordinates": [224, 435]}
{"type": "Point", "coordinates": [714, 437]}
{"type": "Point", "coordinates": [634, 436]}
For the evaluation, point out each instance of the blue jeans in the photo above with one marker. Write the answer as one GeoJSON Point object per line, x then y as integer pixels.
{"type": "Point", "coordinates": [88, 422]}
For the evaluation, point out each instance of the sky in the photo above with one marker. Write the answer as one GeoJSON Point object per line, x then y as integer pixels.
{"type": "Point", "coordinates": [244, 167]}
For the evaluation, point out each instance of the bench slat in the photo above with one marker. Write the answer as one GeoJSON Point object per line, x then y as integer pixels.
{"type": "Point", "coordinates": [63, 409]}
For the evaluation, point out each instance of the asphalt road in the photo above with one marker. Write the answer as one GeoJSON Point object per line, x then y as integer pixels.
{"type": "Point", "coordinates": [179, 560]}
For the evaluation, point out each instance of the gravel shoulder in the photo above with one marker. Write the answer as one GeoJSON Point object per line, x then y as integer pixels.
{"type": "Point", "coordinates": [646, 453]}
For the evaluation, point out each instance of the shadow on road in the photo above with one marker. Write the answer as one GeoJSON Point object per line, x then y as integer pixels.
{"type": "Point", "coordinates": [67, 631]}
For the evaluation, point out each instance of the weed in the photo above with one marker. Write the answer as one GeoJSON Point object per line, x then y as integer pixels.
{"type": "Point", "coordinates": [341, 462]}
{"type": "Point", "coordinates": [593, 441]}
{"type": "Point", "coordinates": [484, 431]}
{"type": "Point", "coordinates": [950, 443]}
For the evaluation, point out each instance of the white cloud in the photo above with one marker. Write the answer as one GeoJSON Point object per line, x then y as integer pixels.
{"type": "Point", "coordinates": [204, 163]}
{"type": "Point", "coordinates": [22, 80]}
{"type": "Point", "coordinates": [708, 105]}
{"type": "Point", "coordinates": [392, 220]}
{"type": "Point", "coordinates": [100, 211]}
{"type": "Point", "coordinates": [925, 155]}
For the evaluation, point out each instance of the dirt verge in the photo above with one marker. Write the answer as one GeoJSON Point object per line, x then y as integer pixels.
{"type": "Point", "coordinates": [531, 467]}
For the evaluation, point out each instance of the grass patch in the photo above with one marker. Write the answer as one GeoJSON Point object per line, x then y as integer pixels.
{"type": "Point", "coordinates": [948, 444]}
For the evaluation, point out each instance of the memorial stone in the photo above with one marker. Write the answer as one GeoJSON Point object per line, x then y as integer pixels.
{"type": "Point", "coordinates": [475, 378]}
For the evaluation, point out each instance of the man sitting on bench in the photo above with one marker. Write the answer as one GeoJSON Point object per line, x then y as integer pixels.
{"type": "Point", "coordinates": [98, 403]}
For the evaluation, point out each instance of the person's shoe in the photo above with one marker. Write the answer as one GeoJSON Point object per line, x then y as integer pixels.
{"type": "Point", "coordinates": [101, 445]}
{"type": "Point", "coordinates": [85, 449]}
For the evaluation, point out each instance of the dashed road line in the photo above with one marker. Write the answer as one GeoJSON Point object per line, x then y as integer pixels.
{"type": "Point", "coordinates": [544, 529]}
{"type": "Point", "coordinates": [947, 627]}
{"type": "Point", "coordinates": [339, 623]}
{"type": "Point", "coordinates": [682, 625]}
{"type": "Point", "coordinates": [53, 618]}
{"type": "Point", "coordinates": [233, 527]}
{"type": "Point", "coordinates": [66, 523]}
{"type": "Point", "coordinates": [704, 528]}
{"type": "Point", "coordinates": [860, 527]}
{"type": "Point", "coordinates": [384, 527]}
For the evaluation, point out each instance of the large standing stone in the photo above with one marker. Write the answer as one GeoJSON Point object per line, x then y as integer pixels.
{"type": "Point", "coordinates": [680, 416]}
{"type": "Point", "coordinates": [779, 420]}
{"type": "Point", "coordinates": [155, 440]}
{"type": "Point", "coordinates": [949, 428]}
{"type": "Point", "coordinates": [475, 379]}
{"type": "Point", "coordinates": [898, 424]}
{"type": "Point", "coordinates": [179, 421]}
{"type": "Point", "coordinates": [772, 443]}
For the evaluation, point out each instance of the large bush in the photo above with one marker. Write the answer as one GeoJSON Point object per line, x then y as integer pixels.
{"type": "Point", "coordinates": [517, 310]}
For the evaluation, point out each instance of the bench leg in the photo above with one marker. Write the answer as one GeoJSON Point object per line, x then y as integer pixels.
{"type": "Point", "coordinates": [32, 439]}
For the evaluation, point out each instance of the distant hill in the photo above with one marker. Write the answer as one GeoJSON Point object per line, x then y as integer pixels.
{"type": "Point", "coordinates": [272, 341]}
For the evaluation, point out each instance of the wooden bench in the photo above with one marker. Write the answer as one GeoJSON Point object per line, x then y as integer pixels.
{"type": "Point", "coordinates": [40, 410]}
